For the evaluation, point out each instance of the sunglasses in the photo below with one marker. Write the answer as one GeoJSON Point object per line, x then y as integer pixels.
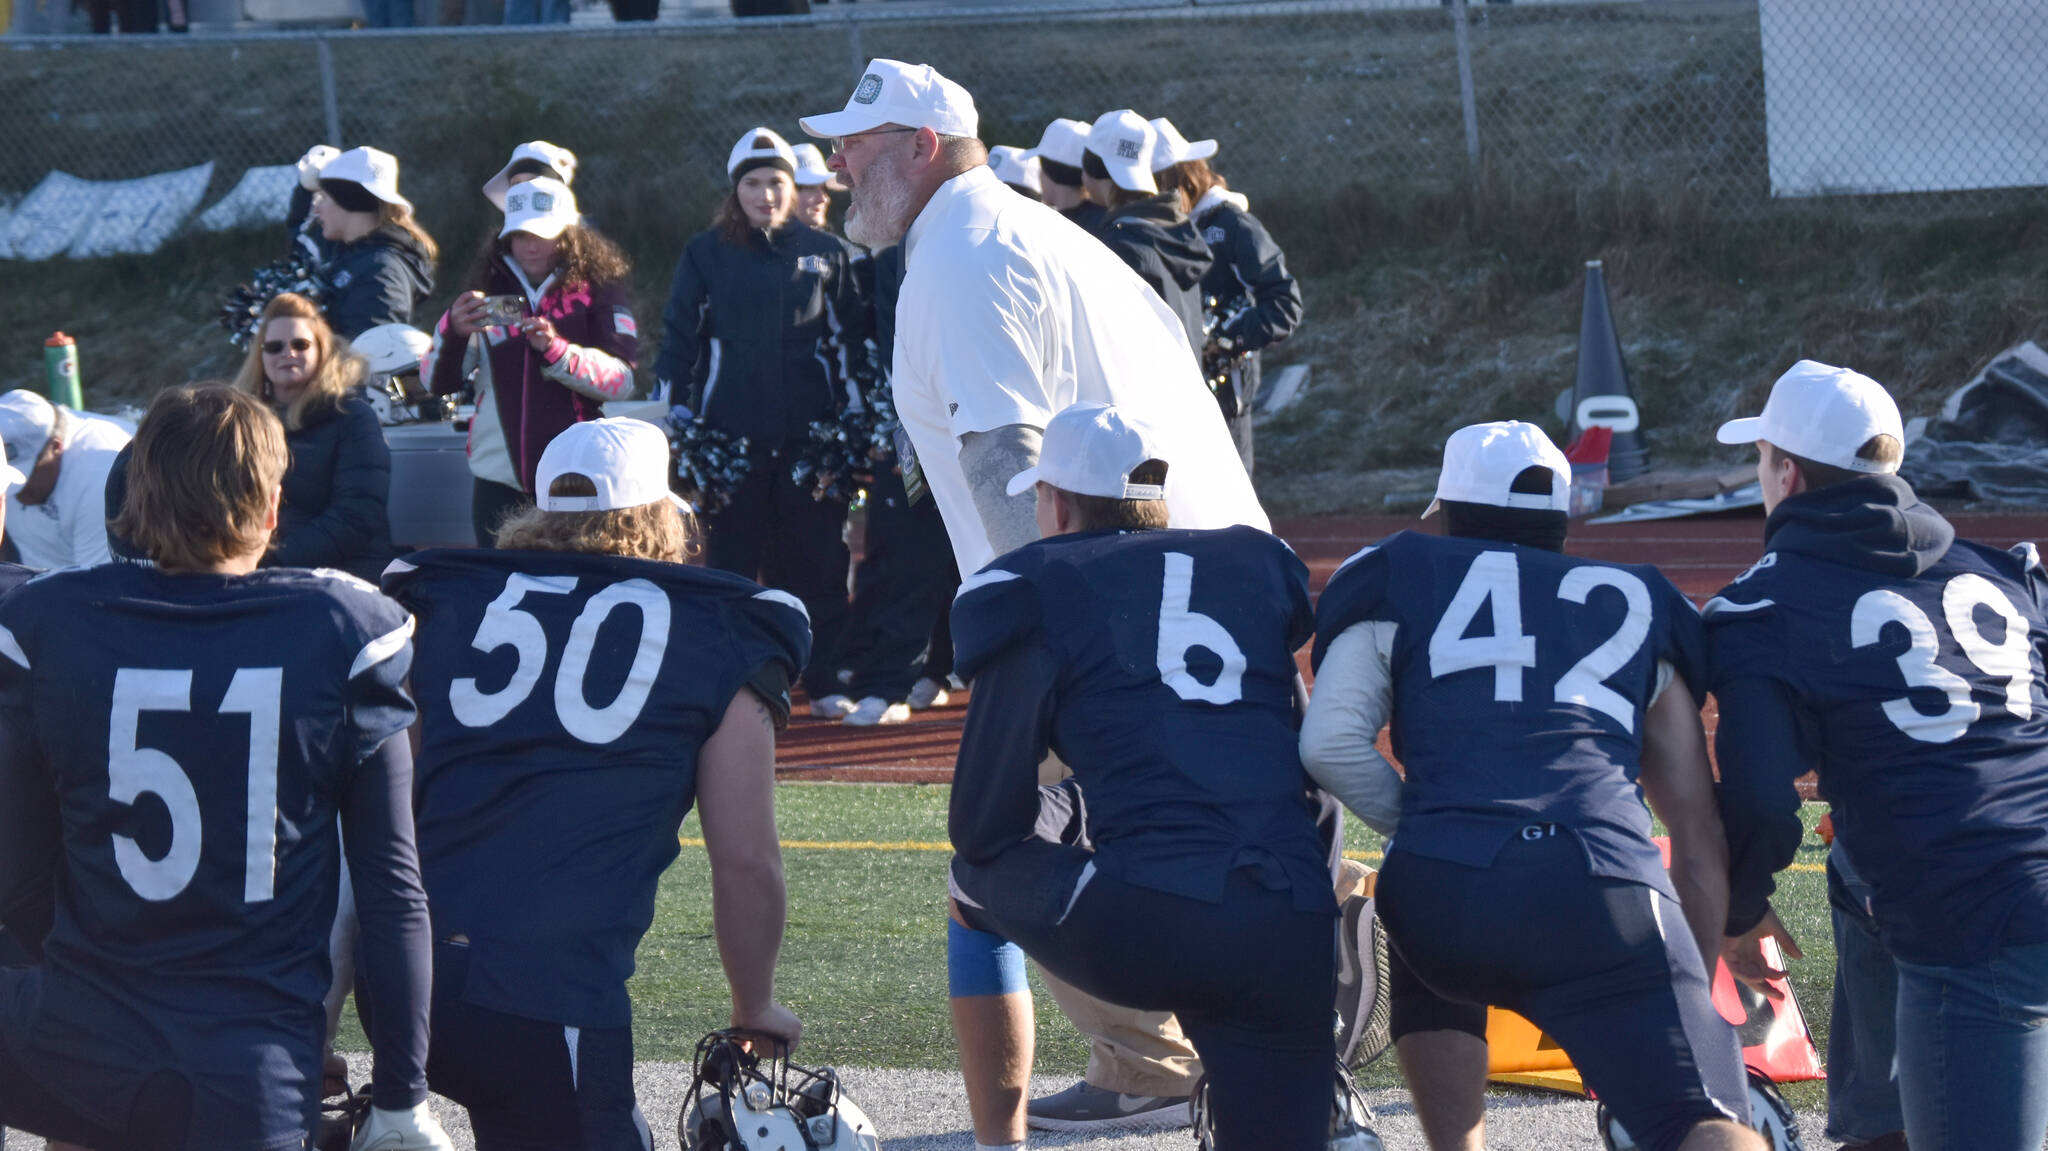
{"type": "Point", "coordinates": [276, 347]}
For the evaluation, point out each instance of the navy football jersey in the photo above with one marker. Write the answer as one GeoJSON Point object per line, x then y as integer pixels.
{"type": "Point", "coordinates": [200, 731]}
{"type": "Point", "coordinates": [13, 576]}
{"type": "Point", "coordinates": [564, 699]}
{"type": "Point", "coordinates": [1520, 679]}
{"type": "Point", "coordinates": [1920, 706]}
{"type": "Point", "coordinates": [1174, 703]}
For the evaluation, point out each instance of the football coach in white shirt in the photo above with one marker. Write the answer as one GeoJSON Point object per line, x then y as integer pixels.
{"type": "Point", "coordinates": [1010, 313]}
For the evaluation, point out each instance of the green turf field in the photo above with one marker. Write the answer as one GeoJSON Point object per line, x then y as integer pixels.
{"type": "Point", "coordinates": [864, 963]}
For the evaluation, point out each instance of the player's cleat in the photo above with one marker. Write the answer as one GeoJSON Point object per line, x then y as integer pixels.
{"type": "Point", "coordinates": [927, 692]}
{"type": "Point", "coordinates": [1086, 1107]}
{"type": "Point", "coordinates": [414, 1129]}
{"type": "Point", "coordinates": [834, 706]}
{"type": "Point", "coordinates": [1364, 1011]}
{"type": "Point", "coordinates": [876, 710]}
{"type": "Point", "coordinates": [1350, 1117]}
{"type": "Point", "coordinates": [1769, 1114]}
{"type": "Point", "coordinates": [739, 1101]}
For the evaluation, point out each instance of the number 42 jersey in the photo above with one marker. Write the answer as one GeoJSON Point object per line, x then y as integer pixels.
{"type": "Point", "coordinates": [1520, 681]}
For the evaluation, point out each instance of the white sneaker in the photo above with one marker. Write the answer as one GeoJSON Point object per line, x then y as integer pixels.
{"type": "Point", "coordinates": [927, 692]}
{"type": "Point", "coordinates": [876, 710]}
{"type": "Point", "coordinates": [833, 706]}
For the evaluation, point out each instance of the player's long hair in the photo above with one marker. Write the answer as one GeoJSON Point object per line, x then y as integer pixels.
{"type": "Point", "coordinates": [339, 373]}
{"type": "Point", "coordinates": [656, 531]}
{"type": "Point", "coordinates": [1191, 180]}
{"type": "Point", "coordinates": [202, 471]}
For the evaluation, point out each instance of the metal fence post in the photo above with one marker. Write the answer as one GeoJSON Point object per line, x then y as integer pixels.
{"type": "Point", "coordinates": [1466, 97]}
{"type": "Point", "coordinates": [327, 98]}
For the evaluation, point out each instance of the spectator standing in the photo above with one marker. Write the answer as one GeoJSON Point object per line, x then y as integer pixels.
{"type": "Point", "coordinates": [1145, 226]}
{"type": "Point", "coordinates": [815, 184]}
{"type": "Point", "coordinates": [1021, 170]}
{"type": "Point", "coordinates": [624, 10]}
{"type": "Point", "coordinates": [764, 334]}
{"type": "Point", "coordinates": [529, 160]}
{"type": "Point", "coordinates": [377, 261]}
{"type": "Point", "coordinates": [336, 511]}
{"type": "Point", "coordinates": [1251, 300]}
{"type": "Point", "coordinates": [135, 15]}
{"type": "Point", "coordinates": [1059, 153]}
{"type": "Point", "coordinates": [57, 516]}
{"type": "Point", "coordinates": [388, 13]}
{"type": "Point", "coordinates": [536, 11]}
{"type": "Point", "coordinates": [1864, 1113]}
{"type": "Point", "coordinates": [572, 348]}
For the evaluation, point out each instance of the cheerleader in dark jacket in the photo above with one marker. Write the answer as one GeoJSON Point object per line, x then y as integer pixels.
{"type": "Point", "coordinates": [1252, 300]}
{"type": "Point", "coordinates": [572, 346]}
{"type": "Point", "coordinates": [359, 233]}
{"type": "Point", "coordinates": [765, 332]}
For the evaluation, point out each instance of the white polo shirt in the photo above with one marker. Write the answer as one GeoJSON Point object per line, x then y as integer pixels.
{"type": "Point", "coordinates": [1010, 312]}
{"type": "Point", "coordinates": [70, 528]}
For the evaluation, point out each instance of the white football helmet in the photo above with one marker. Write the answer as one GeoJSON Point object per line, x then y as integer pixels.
{"type": "Point", "coordinates": [739, 1101]}
{"type": "Point", "coordinates": [1769, 1114]}
{"type": "Point", "coordinates": [392, 349]}
{"type": "Point", "coordinates": [1350, 1117]}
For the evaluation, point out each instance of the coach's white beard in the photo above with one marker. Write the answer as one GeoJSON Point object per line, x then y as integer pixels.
{"type": "Point", "coordinates": [879, 211]}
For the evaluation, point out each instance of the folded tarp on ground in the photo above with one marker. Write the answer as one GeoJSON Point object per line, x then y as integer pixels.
{"type": "Point", "coordinates": [261, 196]}
{"type": "Point", "coordinates": [1990, 441]}
{"type": "Point", "coordinates": [87, 218]}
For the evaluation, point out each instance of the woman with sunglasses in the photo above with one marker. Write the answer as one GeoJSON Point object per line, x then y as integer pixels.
{"type": "Point", "coordinates": [337, 491]}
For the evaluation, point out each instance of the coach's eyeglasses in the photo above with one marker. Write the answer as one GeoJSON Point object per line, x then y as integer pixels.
{"type": "Point", "coordinates": [276, 347]}
{"type": "Point", "coordinates": [839, 143]}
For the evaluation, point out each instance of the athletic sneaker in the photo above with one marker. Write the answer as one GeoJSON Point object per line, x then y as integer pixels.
{"type": "Point", "coordinates": [1363, 1014]}
{"type": "Point", "coordinates": [927, 692]}
{"type": "Point", "coordinates": [1086, 1107]}
{"type": "Point", "coordinates": [876, 710]}
{"type": "Point", "coordinates": [834, 706]}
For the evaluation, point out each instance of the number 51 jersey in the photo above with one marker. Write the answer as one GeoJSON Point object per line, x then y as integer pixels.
{"type": "Point", "coordinates": [564, 698]}
{"type": "Point", "coordinates": [1520, 681]}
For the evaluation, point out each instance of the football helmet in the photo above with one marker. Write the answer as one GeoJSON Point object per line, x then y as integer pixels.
{"type": "Point", "coordinates": [740, 1101]}
{"type": "Point", "coordinates": [1769, 1114]}
{"type": "Point", "coordinates": [1350, 1117]}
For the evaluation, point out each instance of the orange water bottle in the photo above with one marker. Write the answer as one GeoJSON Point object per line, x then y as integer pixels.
{"type": "Point", "coordinates": [60, 372]}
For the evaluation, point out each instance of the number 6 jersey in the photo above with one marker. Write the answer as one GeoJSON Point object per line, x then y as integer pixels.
{"type": "Point", "coordinates": [564, 698]}
{"type": "Point", "coordinates": [1520, 680]}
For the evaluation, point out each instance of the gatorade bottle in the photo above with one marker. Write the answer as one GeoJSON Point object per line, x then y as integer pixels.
{"type": "Point", "coordinates": [60, 372]}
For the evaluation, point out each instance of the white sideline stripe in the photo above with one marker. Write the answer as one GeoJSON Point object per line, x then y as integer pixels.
{"type": "Point", "coordinates": [382, 648]}
{"type": "Point", "coordinates": [11, 649]}
{"type": "Point", "coordinates": [1719, 604]}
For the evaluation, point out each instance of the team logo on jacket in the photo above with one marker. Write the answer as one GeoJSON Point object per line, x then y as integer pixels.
{"type": "Point", "coordinates": [341, 279]}
{"type": "Point", "coordinates": [870, 88]}
{"type": "Point", "coordinates": [622, 323]}
{"type": "Point", "coordinates": [1128, 149]}
{"type": "Point", "coordinates": [1212, 235]}
{"type": "Point", "coordinates": [814, 265]}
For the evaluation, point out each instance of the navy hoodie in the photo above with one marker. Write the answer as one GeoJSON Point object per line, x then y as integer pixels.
{"type": "Point", "coordinates": [1163, 246]}
{"type": "Point", "coordinates": [1904, 667]}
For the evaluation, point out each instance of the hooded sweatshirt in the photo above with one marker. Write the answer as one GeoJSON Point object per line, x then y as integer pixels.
{"type": "Point", "coordinates": [1903, 666]}
{"type": "Point", "coordinates": [378, 279]}
{"type": "Point", "coordinates": [1164, 247]}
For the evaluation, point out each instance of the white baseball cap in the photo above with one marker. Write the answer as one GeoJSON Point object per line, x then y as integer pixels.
{"type": "Point", "coordinates": [772, 149]}
{"type": "Point", "coordinates": [542, 206]}
{"type": "Point", "coordinates": [626, 458]}
{"type": "Point", "coordinates": [1825, 414]}
{"type": "Point", "coordinates": [375, 170]}
{"type": "Point", "coordinates": [561, 161]}
{"type": "Point", "coordinates": [1091, 449]}
{"type": "Point", "coordinates": [27, 421]}
{"type": "Point", "coordinates": [811, 170]}
{"type": "Point", "coordinates": [1481, 462]}
{"type": "Point", "coordinates": [1174, 147]}
{"type": "Point", "coordinates": [892, 92]}
{"type": "Point", "coordinates": [1016, 166]}
{"type": "Point", "coordinates": [1063, 142]}
{"type": "Point", "coordinates": [1125, 143]}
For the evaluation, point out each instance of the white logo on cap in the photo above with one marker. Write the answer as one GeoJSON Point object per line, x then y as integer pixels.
{"type": "Point", "coordinates": [543, 202]}
{"type": "Point", "coordinates": [516, 203]}
{"type": "Point", "coordinates": [870, 89]}
{"type": "Point", "coordinates": [1128, 149]}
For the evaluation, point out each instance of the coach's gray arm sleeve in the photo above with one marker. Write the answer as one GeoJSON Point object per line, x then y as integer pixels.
{"type": "Point", "coordinates": [1354, 693]}
{"type": "Point", "coordinates": [991, 459]}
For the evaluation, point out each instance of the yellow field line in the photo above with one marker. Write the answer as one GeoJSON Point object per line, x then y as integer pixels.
{"type": "Point", "coordinates": [928, 845]}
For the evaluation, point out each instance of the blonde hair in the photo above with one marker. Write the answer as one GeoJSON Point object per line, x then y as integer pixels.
{"type": "Point", "coordinates": [340, 370]}
{"type": "Point", "coordinates": [656, 531]}
{"type": "Point", "coordinates": [203, 468]}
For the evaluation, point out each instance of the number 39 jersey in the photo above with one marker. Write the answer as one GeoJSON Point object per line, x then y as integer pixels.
{"type": "Point", "coordinates": [200, 731]}
{"type": "Point", "coordinates": [1520, 680]}
{"type": "Point", "coordinates": [564, 700]}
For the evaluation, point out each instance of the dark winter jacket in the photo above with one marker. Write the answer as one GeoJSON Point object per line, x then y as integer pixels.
{"type": "Point", "coordinates": [762, 339]}
{"type": "Point", "coordinates": [1088, 214]}
{"type": "Point", "coordinates": [1257, 301]}
{"type": "Point", "coordinates": [337, 492]}
{"type": "Point", "coordinates": [378, 279]}
{"type": "Point", "coordinates": [1162, 245]}
{"type": "Point", "coordinates": [526, 398]}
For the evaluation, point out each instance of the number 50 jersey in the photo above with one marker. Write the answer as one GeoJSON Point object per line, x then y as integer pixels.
{"type": "Point", "coordinates": [1520, 680]}
{"type": "Point", "coordinates": [564, 699]}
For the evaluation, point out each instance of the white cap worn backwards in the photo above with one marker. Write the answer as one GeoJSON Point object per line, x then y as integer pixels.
{"type": "Point", "coordinates": [626, 458]}
{"type": "Point", "coordinates": [376, 171]}
{"type": "Point", "coordinates": [811, 171]}
{"type": "Point", "coordinates": [542, 206]}
{"type": "Point", "coordinates": [27, 421]}
{"type": "Point", "coordinates": [561, 164]}
{"type": "Point", "coordinates": [1091, 449]}
{"type": "Point", "coordinates": [1481, 462]}
{"type": "Point", "coordinates": [772, 150]}
{"type": "Point", "coordinates": [1824, 414]}
{"type": "Point", "coordinates": [1174, 147]}
{"type": "Point", "coordinates": [1016, 166]}
{"type": "Point", "coordinates": [892, 92]}
{"type": "Point", "coordinates": [1125, 143]}
{"type": "Point", "coordinates": [1063, 142]}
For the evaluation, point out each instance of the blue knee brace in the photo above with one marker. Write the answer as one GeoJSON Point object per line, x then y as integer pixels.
{"type": "Point", "coordinates": [980, 963]}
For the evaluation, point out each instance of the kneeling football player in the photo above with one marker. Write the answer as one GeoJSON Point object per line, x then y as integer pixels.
{"type": "Point", "coordinates": [1158, 664]}
{"type": "Point", "coordinates": [580, 689]}
{"type": "Point", "coordinates": [1536, 698]}
{"type": "Point", "coordinates": [176, 739]}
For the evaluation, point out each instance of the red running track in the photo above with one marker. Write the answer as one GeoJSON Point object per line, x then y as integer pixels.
{"type": "Point", "coordinates": [1699, 555]}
